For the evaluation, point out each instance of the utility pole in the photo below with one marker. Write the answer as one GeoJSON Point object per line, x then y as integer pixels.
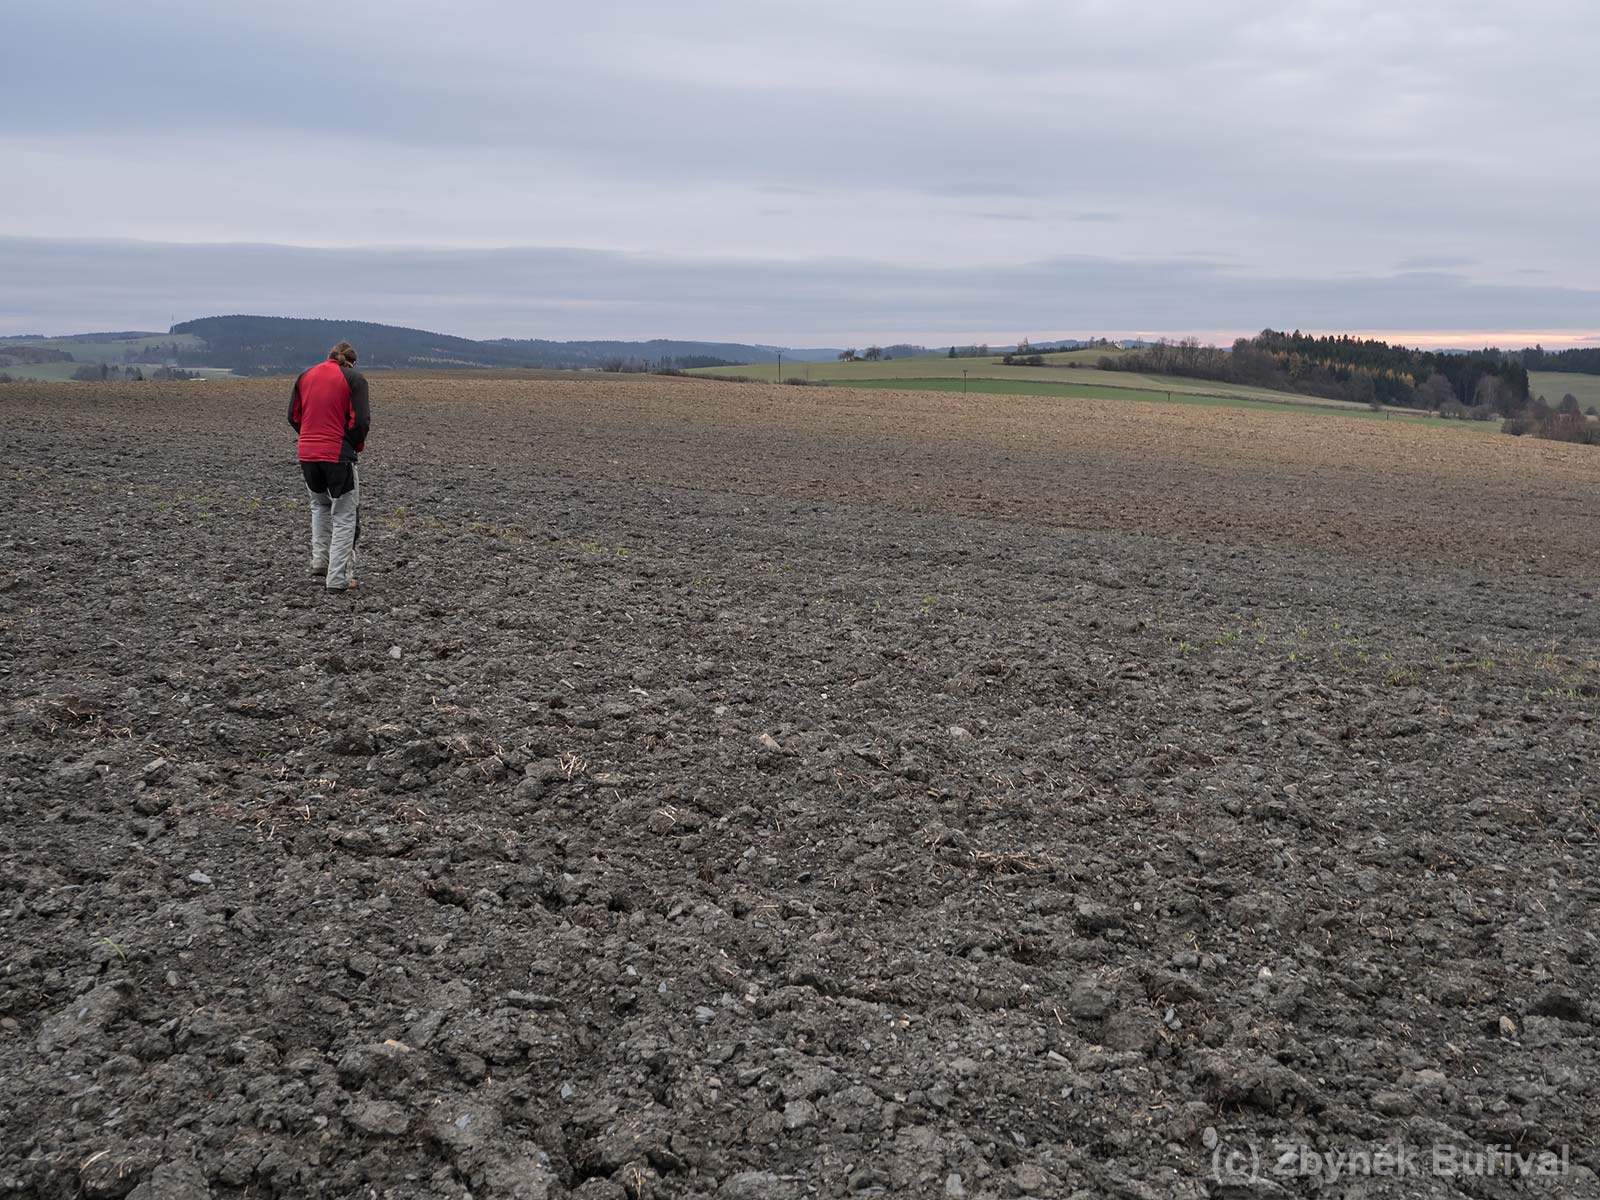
{"type": "Point", "coordinates": [780, 366]}
{"type": "Point", "coordinates": [963, 381]}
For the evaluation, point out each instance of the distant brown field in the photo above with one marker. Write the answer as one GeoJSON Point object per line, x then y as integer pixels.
{"type": "Point", "coordinates": [1426, 492]}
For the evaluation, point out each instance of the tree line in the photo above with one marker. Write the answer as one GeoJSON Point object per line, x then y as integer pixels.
{"type": "Point", "coordinates": [1482, 383]}
{"type": "Point", "coordinates": [103, 372]}
{"type": "Point", "coordinates": [1583, 361]}
{"type": "Point", "coordinates": [626, 365]}
{"type": "Point", "coordinates": [14, 356]}
{"type": "Point", "coordinates": [881, 353]}
{"type": "Point", "coordinates": [1563, 423]}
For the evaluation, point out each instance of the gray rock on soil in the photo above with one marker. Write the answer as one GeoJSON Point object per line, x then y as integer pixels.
{"type": "Point", "coordinates": [173, 1181]}
{"type": "Point", "coordinates": [87, 1017]}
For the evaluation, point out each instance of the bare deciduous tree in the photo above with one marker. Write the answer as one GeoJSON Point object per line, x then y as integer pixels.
{"type": "Point", "coordinates": [1436, 392]}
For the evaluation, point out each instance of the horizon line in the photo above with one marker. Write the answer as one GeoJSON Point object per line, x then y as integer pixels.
{"type": "Point", "coordinates": [1415, 339]}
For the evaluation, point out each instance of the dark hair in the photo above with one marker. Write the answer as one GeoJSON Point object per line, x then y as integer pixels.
{"type": "Point", "coordinates": [344, 354]}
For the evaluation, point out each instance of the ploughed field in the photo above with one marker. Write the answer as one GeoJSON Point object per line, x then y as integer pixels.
{"type": "Point", "coordinates": [776, 792]}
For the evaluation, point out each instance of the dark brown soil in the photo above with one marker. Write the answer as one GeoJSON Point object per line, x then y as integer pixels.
{"type": "Point", "coordinates": [772, 792]}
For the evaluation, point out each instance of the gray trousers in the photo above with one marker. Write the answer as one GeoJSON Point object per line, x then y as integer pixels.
{"type": "Point", "coordinates": [335, 528]}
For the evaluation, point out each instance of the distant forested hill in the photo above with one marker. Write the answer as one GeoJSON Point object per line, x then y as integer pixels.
{"type": "Point", "coordinates": [285, 345]}
{"type": "Point", "coordinates": [1585, 361]}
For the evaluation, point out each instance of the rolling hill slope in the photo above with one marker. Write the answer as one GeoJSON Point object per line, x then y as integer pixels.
{"type": "Point", "coordinates": [1553, 385]}
{"type": "Point", "coordinates": [1068, 374]}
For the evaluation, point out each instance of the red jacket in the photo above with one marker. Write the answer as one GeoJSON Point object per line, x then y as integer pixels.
{"type": "Point", "coordinates": [328, 409]}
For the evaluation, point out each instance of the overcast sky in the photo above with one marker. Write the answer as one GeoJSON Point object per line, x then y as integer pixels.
{"type": "Point", "coordinates": [807, 174]}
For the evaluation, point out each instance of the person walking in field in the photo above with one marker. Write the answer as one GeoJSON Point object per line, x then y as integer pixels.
{"type": "Point", "coordinates": [328, 409]}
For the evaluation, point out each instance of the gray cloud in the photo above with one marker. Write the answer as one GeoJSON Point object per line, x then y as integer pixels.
{"type": "Point", "coordinates": [1301, 141]}
{"type": "Point", "coordinates": [568, 293]}
{"type": "Point", "coordinates": [1434, 262]}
